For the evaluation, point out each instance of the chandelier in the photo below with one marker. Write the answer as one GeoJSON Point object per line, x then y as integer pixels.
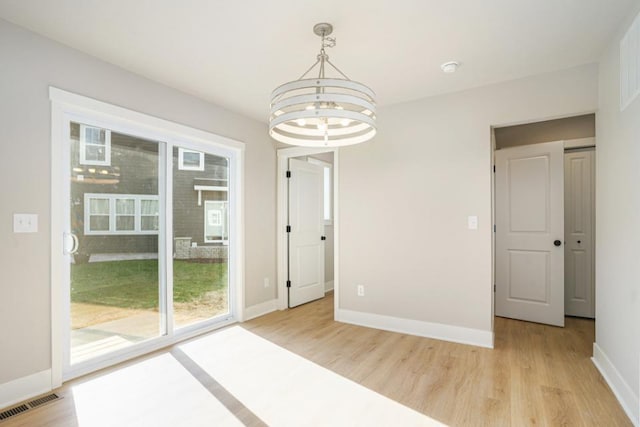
{"type": "Point", "coordinates": [322, 111]}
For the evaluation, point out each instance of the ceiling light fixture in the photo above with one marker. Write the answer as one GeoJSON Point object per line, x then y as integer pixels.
{"type": "Point", "coordinates": [322, 111]}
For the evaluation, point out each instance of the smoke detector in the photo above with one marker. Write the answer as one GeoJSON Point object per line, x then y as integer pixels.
{"type": "Point", "coordinates": [450, 67]}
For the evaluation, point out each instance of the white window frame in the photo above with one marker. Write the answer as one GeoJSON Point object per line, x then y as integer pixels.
{"type": "Point", "coordinates": [327, 179]}
{"type": "Point", "coordinates": [83, 147]}
{"type": "Point", "coordinates": [67, 107]}
{"type": "Point", "coordinates": [112, 197]}
{"type": "Point", "coordinates": [223, 241]}
{"type": "Point", "coordinates": [183, 167]}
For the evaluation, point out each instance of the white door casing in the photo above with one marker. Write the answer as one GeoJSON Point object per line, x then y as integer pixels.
{"type": "Point", "coordinates": [530, 233]}
{"type": "Point", "coordinates": [306, 218]}
{"type": "Point", "coordinates": [579, 180]}
{"type": "Point", "coordinates": [67, 107]}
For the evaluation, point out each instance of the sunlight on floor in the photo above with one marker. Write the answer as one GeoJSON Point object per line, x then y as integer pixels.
{"type": "Point", "coordinates": [155, 392]}
{"type": "Point", "coordinates": [227, 378]}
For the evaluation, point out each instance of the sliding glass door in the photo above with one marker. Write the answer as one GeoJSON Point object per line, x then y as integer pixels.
{"type": "Point", "coordinates": [115, 219]}
{"type": "Point", "coordinates": [149, 238]}
{"type": "Point", "coordinates": [201, 236]}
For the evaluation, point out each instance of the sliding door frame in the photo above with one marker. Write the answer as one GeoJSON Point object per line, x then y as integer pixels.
{"type": "Point", "coordinates": [67, 106]}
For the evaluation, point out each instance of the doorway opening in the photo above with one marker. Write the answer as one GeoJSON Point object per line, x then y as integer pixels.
{"type": "Point", "coordinates": [544, 220]}
{"type": "Point", "coordinates": [307, 225]}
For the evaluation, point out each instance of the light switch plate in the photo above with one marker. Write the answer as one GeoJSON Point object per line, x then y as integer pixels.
{"type": "Point", "coordinates": [472, 222]}
{"type": "Point", "coordinates": [25, 223]}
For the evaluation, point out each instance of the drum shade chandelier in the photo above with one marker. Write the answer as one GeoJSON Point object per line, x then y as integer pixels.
{"type": "Point", "coordinates": [322, 111]}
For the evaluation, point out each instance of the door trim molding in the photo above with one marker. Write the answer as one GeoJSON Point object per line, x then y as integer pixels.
{"type": "Point", "coordinates": [284, 154]}
{"type": "Point", "coordinates": [621, 390]}
{"type": "Point", "coordinates": [419, 328]}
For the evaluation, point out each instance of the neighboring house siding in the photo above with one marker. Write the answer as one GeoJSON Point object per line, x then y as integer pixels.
{"type": "Point", "coordinates": [132, 169]}
{"type": "Point", "coordinates": [188, 215]}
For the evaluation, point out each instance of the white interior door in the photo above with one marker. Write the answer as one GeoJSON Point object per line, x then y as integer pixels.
{"type": "Point", "coordinates": [306, 244]}
{"type": "Point", "coordinates": [579, 179]}
{"type": "Point", "coordinates": [530, 232]}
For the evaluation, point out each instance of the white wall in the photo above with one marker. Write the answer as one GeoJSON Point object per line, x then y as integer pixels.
{"type": "Point", "coordinates": [29, 64]}
{"type": "Point", "coordinates": [405, 197]}
{"type": "Point", "coordinates": [617, 228]}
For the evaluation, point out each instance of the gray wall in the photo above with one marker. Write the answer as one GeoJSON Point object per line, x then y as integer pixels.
{"type": "Point", "coordinates": [29, 65]}
{"type": "Point", "coordinates": [617, 225]}
{"type": "Point", "coordinates": [405, 197]}
{"type": "Point", "coordinates": [576, 127]}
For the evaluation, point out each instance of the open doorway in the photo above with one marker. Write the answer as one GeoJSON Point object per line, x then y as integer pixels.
{"type": "Point", "coordinates": [313, 244]}
{"type": "Point", "coordinates": [544, 216]}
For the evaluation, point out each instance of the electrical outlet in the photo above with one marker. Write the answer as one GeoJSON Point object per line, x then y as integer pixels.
{"type": "Point", "coordinates": [360, 290]}
{"type": "Point", "coordinates": [266, 282]}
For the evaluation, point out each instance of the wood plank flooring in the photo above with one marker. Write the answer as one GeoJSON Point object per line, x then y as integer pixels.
{"type": "Point", "coordinates": [537, 375]}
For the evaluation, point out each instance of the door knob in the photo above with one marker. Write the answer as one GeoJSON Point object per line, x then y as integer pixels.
{"type": "Point", "coordinates": [579, 242]}
{"type": "Point", "coordinates": [557, 242]}
{"type": "Point", "coordinates": [323, 238]}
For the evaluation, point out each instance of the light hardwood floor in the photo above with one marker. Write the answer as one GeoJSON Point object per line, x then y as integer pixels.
{"type": "Point", "coordinates": [536, 375]}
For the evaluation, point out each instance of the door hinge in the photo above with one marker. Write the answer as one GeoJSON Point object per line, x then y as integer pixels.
{"type": "Point", "coordinates": [494, 287]}
{"type": "Point", "coordinates": [323, 238]}
{"type": "Point", "coordinates": [288, 174]}
{"type": "Point", "coordinates": [288, 229]}
{"type": "Point", "coordinates": [494, 228]}
{"type": "Point", "coordinates": [494, 168]}
{"type": "Point", "coordinates": [288, 283]}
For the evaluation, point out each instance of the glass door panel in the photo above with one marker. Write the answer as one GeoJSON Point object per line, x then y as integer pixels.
{"type": "Point", "coordinates": [115, 288]}
{"type": "Point", "coordinates": [201, 236]}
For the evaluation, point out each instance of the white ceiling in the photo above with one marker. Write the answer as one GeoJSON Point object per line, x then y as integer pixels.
{"type": "Point", "coordinates": [234, 52]}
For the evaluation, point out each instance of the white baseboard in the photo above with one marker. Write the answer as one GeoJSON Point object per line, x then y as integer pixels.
{"type": "Point", "coordinates": [260, 309]}
{"type": "Point", "coordinates": [618, 385]}
{"type": "Point", "coordinates": [328, 286]}
{"type": "Point", "coordinates": [24, 388]}
{"type": "Point", "coordinates": [416, 327]}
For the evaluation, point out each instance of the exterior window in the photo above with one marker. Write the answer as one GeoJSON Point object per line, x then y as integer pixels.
{"type": "Point", "coordinates": [328, 177]}
{"type": "Point", "coordinates": [121, 214]}
{"type": "Point", "coordinates": [189, 160]}
{"type": "Point", "coordinates": [95, 146]}
{"type": "Point", "coordinates": [98, 214]}
{"type": "Point", "coordinates": [125, 214]}
{"type": "Point", "coordinates": [216, 221]}
{"type": "Point", "coordinates": [149, 214]}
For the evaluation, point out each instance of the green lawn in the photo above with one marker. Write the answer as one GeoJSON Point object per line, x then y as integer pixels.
{"type": "Point", "coordinates": [134, 284]}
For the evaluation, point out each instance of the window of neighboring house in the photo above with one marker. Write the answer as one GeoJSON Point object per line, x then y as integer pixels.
{"type": "Point", "coordinates": [149, 214]}
{"type": "Point", "coordinates": [216, 221]}
{"type": "Point", "coordinates": [121, 214]}
{"type": "Point", "coordinates": [328, 178]}
{"type": "Point", "coordinates": [95, 146]}
{"type": "Point", "coordinates": [189, 160]}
